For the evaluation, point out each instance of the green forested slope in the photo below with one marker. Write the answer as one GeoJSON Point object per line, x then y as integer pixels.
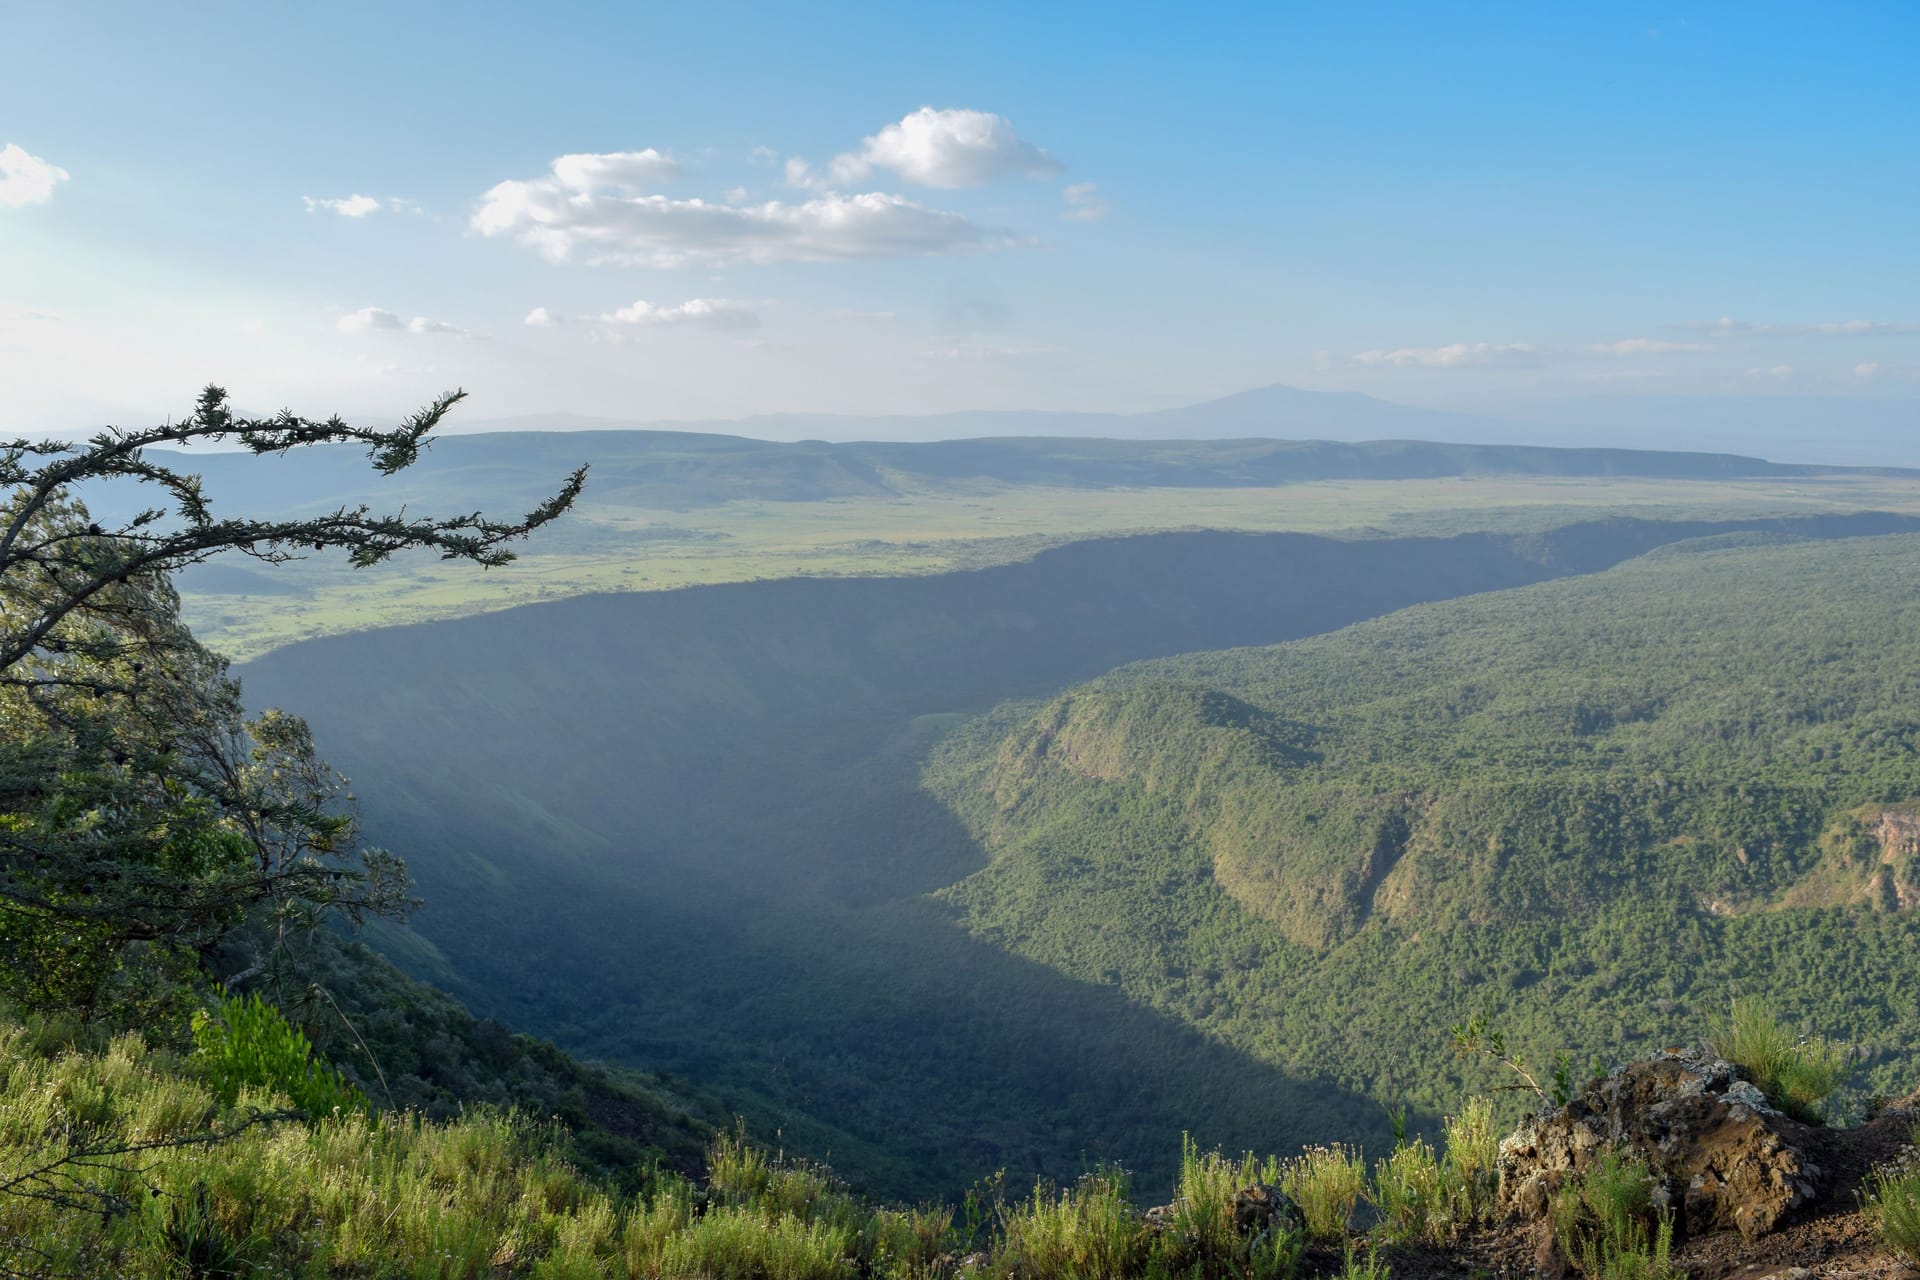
{"type": "Point", "coordinates": [1596, 808]}
{"type": "Point", "coordinates": [688, 831]}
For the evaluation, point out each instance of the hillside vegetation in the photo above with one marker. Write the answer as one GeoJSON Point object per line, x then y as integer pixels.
{"type": "Point", "coordinates": [718, 792]}
{"type": "Point", "coordinates": [1596, 808]}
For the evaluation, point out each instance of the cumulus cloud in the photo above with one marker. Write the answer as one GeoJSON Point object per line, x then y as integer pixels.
{"type": "Point", "coordinates": [1084, 202]}
{"type": "Point", "coordinates": [370, 318]}
{"type": "Point", "coordinates": [353, 206]}
{"type": "Point", "coordinates": [541, 318]}
{"type": "Point", "coordinates": [622, 171]}
{"type": "Point", "coordinates": [1457, 355]}
{"type": "Point", "coordinates": [564, 221]}
{"type": "Point", "coordinates": [699, 313]}
{"type": "Point", "coordinates": [367, 319]}
{"type": "Point", "coordinates": [1727, 327]}
{"type": "Point", "coordinates": [947, 149]}
{"type": "Point", "coordinates": [25, 178]}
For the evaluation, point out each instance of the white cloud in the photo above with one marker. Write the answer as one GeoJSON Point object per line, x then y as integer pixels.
{"type": "Point", "coordinates": [25, 178]}
{"type": "Point", "coordinates": [253, 325]}
{"type": "Point", "coordinates": [1876, 369]}
{"type": "Point", "coordinates": [947, 149]}
{"type": "Point", "coordinates": [622, 171]}
{"type": "Point", "coordinates": [798, 173]}
{"type": "Point", "coordinates": [353, 206]}
{"type": "Point", "coordinates": [367, 319]}
{"type": "Point", "coordinates": [1511, 355]}
{"type": "Point", "coordinates": [1777, 372]}
{"type": "Point", "coordinates": [370, 318]}
{"type": "Point", "coordinates": [1458, 355]}
{"type": "Point", "coordinates": [541, 318]}
{"type": "Point", "coordinates": [1084, 202]}
{"type": "Point", "coordinates": [420, 324]}
{"type": "Point", "coordinates": [1645, 347]}
{"type": "Point", "coordinates": [737, 195]}
{"type": "Point", "coordinates": [400, 204]}
{"type": "Point", "coordinates": [564, 221]}
{"type": "Point", "coordinates": [1726, 327]}
{"type": "Point", "coordinates": [702, 313]}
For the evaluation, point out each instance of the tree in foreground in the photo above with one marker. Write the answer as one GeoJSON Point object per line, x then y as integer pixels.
{"type": "Point", "coordinates": [142, 816]}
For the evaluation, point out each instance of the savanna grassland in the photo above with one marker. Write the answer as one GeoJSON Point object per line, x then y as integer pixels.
{"type": "Point", "coordinates": [777, 515]}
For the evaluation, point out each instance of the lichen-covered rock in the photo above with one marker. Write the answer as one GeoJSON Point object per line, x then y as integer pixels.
{"type": "Point", "coordinates": [1721, 1157]}
{"type": "Point", "coordinates": [1259, 1209]}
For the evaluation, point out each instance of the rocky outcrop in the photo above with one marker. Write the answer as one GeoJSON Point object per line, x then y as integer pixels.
{"type": "Point", "coordinates": [1721, 1157]}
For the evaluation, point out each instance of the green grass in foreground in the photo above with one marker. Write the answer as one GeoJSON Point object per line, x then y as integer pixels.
{"type": "Point", "coordinates": [643, 549]}
{"type": "Point", "coordinates": [117, 1158]}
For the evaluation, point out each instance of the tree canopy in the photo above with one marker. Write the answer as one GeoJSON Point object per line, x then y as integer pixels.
{"type": "Point", "coordinates": [143, 816]}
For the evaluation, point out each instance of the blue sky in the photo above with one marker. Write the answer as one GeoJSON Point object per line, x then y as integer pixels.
{"type": "Point", "coordinates": [1100, 207]}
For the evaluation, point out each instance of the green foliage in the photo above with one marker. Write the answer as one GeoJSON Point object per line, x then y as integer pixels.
{"type": "Point", "coordinates": [121, 1160]}
{"type": "Point", "coordinates": [1472, 1160]}
{"type": "Point", "coordinates": [1797, 1073]}
{"type": "Point", "coordinates": [1201, 1238]}
{"type": "Point", "coordinates": [142, 816]}
{"type": "Point", "coordinates": [1892, 1204]}
{"type": "Point", "coordinates": [1604, 1222]}
{"type": "Point", "coordinates": [1412, 1194]}
{"type": "Point", "coordinates": [1353, 1268]}
{"type": "Point", "coordinates": [244, 1042]}
{"type": "Point", "coordinates": [1327, 1183]}
{"type": "Point", "coordinates": [1087, 1230]}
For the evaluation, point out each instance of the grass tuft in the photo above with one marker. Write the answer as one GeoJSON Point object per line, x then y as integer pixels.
{"type": "Point", "coordinates": [1605, 1223]}
{"type": "Point", "coordinates": [1797, 1073]}
{"type": "Point", "coordinates": [1327, 1183]}
{"type": "Point", "coordinates": [1892, 1204]}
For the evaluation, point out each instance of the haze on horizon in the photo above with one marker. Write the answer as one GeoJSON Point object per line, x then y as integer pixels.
{"type": "Point", "coordinates": [681, 215]}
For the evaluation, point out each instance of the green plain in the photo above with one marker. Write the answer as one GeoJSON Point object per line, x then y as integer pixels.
{"type": "Point", "coordinates": [630, 548]}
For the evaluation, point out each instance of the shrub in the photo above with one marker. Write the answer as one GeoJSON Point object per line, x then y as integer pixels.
{"type": "Point", "coordinates": [1088, 1231]}
{"type": "Point", "coordinates": [247, 1042]}
{"type": "Point", "coordinates": [1414, 1195]}
{"type": "Point", "coordinates": [1605, 1223]}
{"type": "Point", "coordinates": [1472, 1156]}
{"type": "Point", "coordinates": [740, 1244]}
{"type": "Point", "coordinates": [1203, 1240]}
{"type": "Point", "coordinates": [1796, 1073]}
{"type": "Point", "coordinates": [1326, 1182]}
{"type": "Point", "coordinates": [1893, 1206]}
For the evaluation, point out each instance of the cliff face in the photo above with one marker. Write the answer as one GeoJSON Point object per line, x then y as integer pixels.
{"type": "Point", "coordinates": [1895, 882]}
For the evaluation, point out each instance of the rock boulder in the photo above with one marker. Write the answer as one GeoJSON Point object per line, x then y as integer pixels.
{"type": "Point", "coordinates": [1721, 1157]}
